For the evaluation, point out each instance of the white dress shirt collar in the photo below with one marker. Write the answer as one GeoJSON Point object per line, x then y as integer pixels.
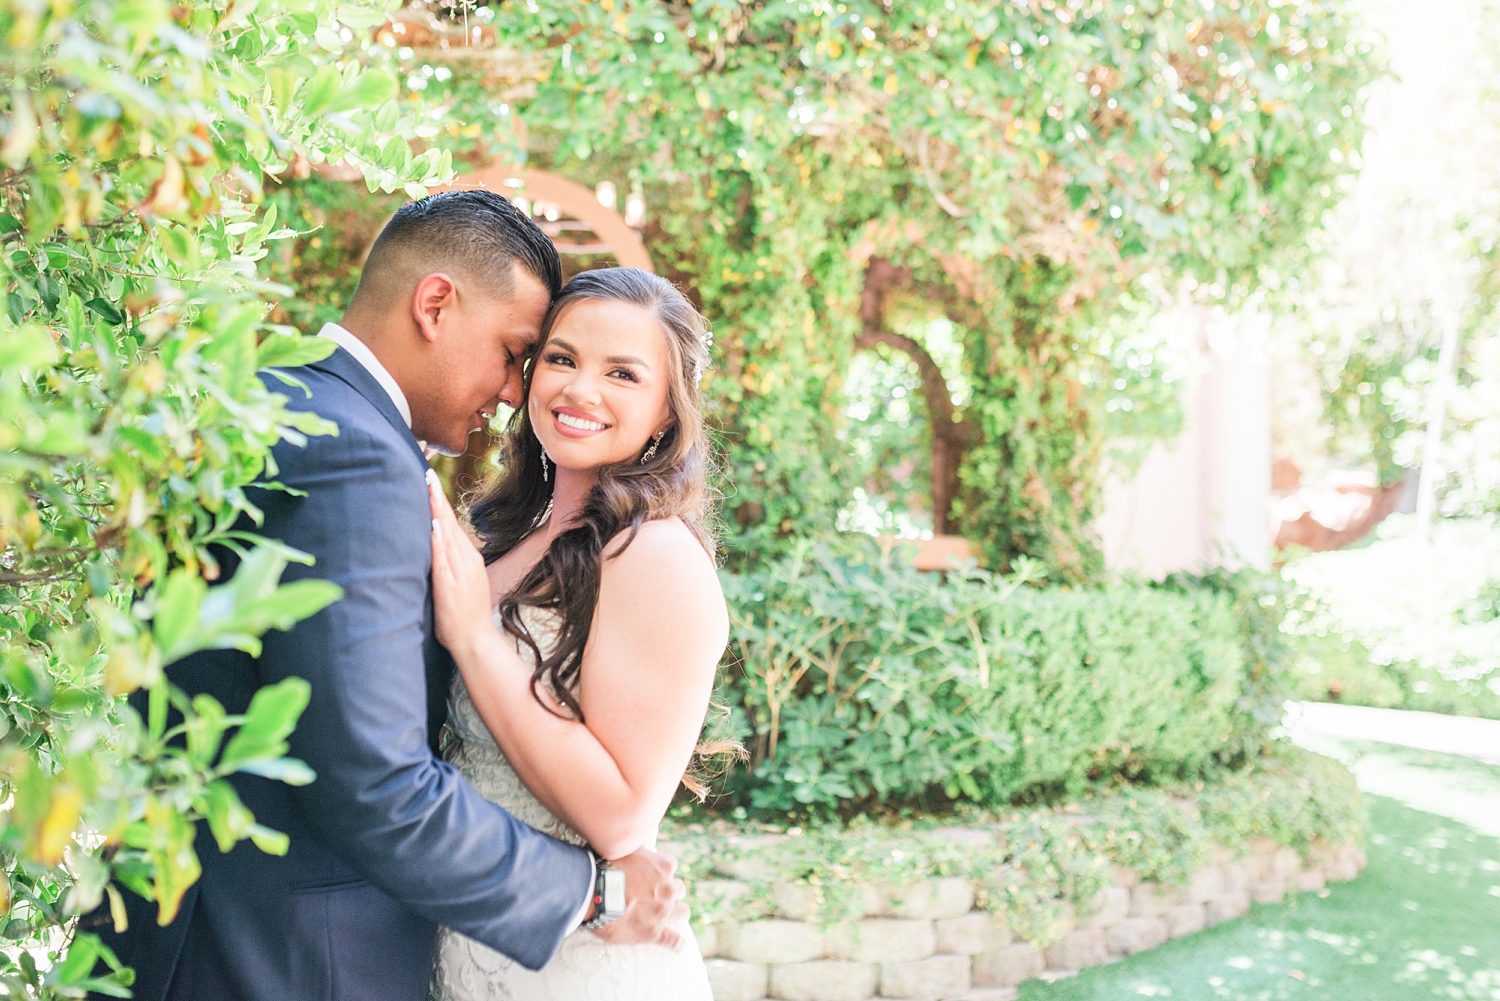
{"type": "Point", "coordinates": [366, 357]}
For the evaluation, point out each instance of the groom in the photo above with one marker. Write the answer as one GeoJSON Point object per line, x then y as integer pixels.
{"type": "Point", "coordinates": [389, 841]}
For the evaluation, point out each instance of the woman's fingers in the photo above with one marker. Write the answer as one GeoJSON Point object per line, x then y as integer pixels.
{"type": "Point", "coordinates": [459, 585]}
{"type": "Point", "coordinates": [444, 521]}
{"type": "Point", "coordinates": [442, 533]}
{"type": "Point", "coordinates": [441, 509]}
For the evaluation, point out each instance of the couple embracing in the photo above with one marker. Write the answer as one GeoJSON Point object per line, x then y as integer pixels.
{"type": "Point", "coordinates": [496, 732]}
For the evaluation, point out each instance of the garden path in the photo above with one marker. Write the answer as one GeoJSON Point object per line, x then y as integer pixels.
{"type": "Point", "coordinates": [1423, 921]}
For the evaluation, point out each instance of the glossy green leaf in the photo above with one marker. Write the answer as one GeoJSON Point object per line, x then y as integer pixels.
{"type": "Point", "coordinates": [279, 350]}
{"type": "Point", "coordinates": [273, 713]}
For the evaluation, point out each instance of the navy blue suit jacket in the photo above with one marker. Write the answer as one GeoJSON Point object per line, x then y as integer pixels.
{"type": "Point", "coordinates": [389, 841]}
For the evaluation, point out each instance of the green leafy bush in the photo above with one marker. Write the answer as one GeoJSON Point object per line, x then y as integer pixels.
{"type": "Point", "coordinates": [1263, 603]}
{"type": "Point", "coordinates": [137, 141]}
{"type": "Point", "coordinates": [1294, 798]}
{"type": "Point", "coordinates": [860, 681]}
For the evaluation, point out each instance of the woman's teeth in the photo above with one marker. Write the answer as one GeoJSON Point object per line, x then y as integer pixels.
{"type": "Point", "coordinates": [568, 420]}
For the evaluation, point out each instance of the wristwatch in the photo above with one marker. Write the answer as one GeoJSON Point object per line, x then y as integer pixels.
{"type": "Point", "coordinates": [609, 894]}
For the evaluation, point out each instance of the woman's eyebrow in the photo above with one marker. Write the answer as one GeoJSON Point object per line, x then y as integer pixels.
{"type": "Point", "coordinates": [612, 359]}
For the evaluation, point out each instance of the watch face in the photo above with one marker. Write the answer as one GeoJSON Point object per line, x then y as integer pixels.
{"type": "Point", "coordinates": [614, 891]}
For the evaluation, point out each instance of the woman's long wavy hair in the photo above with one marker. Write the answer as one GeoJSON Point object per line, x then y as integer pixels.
{"type": "Point", "coordinates": [672, 483]}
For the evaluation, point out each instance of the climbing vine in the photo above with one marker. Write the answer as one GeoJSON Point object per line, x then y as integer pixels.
{"type": "Point", "coordinates": [815, 171]}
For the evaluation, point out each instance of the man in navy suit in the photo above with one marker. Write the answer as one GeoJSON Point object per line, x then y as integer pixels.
{"type": "Point", "coordinates": [389, 841]}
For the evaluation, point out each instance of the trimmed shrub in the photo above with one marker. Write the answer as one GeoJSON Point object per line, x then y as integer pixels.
{"type": "Point", "coordinates": [1294, 798]}
{"type": "Point", "coordinates": [859, 681]}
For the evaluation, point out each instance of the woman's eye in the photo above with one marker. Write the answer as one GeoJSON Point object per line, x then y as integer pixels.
{"type": "Point", "coordinates": [625, 373]}
{"type": "Point", "coordinates": [559, 359]}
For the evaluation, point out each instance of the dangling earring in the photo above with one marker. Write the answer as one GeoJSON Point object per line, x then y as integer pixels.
{"type": "Point", "coordinates": [544, 467]}
{"type": "Point", "coordinates": [650, 452]}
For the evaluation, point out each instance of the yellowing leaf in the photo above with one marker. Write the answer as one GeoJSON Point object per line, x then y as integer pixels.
{"type": "Point", "coordinates": [55, 832]}
{"type": "Point", "coordinates": [891, 84]}
{"type": "Point", "coordinates": [168, 197]}
{"type": "Point", "coordinates": [123, 673]}
{"type": "Point", "coordinates": [171, 851]}
{"type": "Point", "coordinates": [117, 910]}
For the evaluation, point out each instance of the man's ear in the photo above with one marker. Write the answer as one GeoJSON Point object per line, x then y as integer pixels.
{"type": "Point", "coordinates": [435, 294]}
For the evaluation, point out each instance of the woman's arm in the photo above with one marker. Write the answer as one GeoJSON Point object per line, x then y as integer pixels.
{"type": "Point", "coordinates": [658, 633]}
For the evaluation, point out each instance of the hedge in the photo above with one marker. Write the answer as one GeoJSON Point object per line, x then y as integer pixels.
{"type": "Point", "coordinates": [857, 682]}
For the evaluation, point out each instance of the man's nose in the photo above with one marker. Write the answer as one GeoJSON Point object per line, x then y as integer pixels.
{"type": "Point", "coordinates": [510, 393]}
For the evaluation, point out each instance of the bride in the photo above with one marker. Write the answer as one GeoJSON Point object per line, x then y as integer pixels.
{"type": "Point", "coordinates": [580, 699]}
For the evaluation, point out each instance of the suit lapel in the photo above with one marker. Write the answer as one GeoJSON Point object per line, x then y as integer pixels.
{"type": "Point", "coordinates": [344, 366]}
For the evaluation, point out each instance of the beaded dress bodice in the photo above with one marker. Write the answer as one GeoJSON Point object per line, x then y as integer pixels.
{"type": "Point", "coordinates": [586, 967]}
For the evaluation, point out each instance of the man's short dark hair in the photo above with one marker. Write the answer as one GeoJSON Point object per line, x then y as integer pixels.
{"type": "Point", "coordinates": [477, 233]}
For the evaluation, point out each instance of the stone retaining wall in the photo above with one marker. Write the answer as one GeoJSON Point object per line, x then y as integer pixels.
{"type": "Point", "coordinates": [926, 941]}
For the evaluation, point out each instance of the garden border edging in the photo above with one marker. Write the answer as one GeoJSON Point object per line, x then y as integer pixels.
{"type": "Point", "coordinates": [927, 941]}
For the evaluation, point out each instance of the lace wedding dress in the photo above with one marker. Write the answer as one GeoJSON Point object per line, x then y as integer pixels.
{"type": "Point", "coordinates": [586, 968]}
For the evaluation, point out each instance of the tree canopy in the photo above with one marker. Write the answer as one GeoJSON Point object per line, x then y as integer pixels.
{"type": "Point", "coordinates": [825, 176]}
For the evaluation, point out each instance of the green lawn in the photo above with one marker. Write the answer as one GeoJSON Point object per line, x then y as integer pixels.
{"type": "Point", "coordinates": [1423, 921]}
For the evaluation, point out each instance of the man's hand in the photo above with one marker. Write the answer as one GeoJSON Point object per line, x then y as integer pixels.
{"type": "Point", "coordinates": [653, 902]}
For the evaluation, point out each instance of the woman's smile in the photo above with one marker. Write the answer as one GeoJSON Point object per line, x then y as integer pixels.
{"type": "Point", "coordinates": [575, 423]}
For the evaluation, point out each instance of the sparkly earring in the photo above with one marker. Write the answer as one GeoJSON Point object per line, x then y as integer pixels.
{"type": "Point", "coordinates": [544, 467]}
{"type": "Point", "coordinates": [650, 452]}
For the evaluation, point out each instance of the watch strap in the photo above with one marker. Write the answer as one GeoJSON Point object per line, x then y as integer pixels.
{"type": "Point", "coordinates": [609, 894]}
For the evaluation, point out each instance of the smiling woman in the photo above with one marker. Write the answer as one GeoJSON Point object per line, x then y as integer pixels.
{"type": "Point", "coordinates": [599, 389]}
{"type": "Point", "coordinates": [613, 401]}
{"type": "Point", "coordinates": [593, 691]}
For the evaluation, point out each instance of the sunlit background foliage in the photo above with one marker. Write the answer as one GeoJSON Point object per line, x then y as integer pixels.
{"type": "Point", "coordinates": [829, 178]}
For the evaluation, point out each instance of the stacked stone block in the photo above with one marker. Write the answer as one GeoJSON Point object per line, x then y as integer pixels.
{"type": "Point", "coordinates": [926, 942]}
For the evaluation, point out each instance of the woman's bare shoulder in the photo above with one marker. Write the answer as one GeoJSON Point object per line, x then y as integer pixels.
{"type": "Point", "coordinates": [666, 560]}
{"type": "Point", "coordinates": [666, 539]}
